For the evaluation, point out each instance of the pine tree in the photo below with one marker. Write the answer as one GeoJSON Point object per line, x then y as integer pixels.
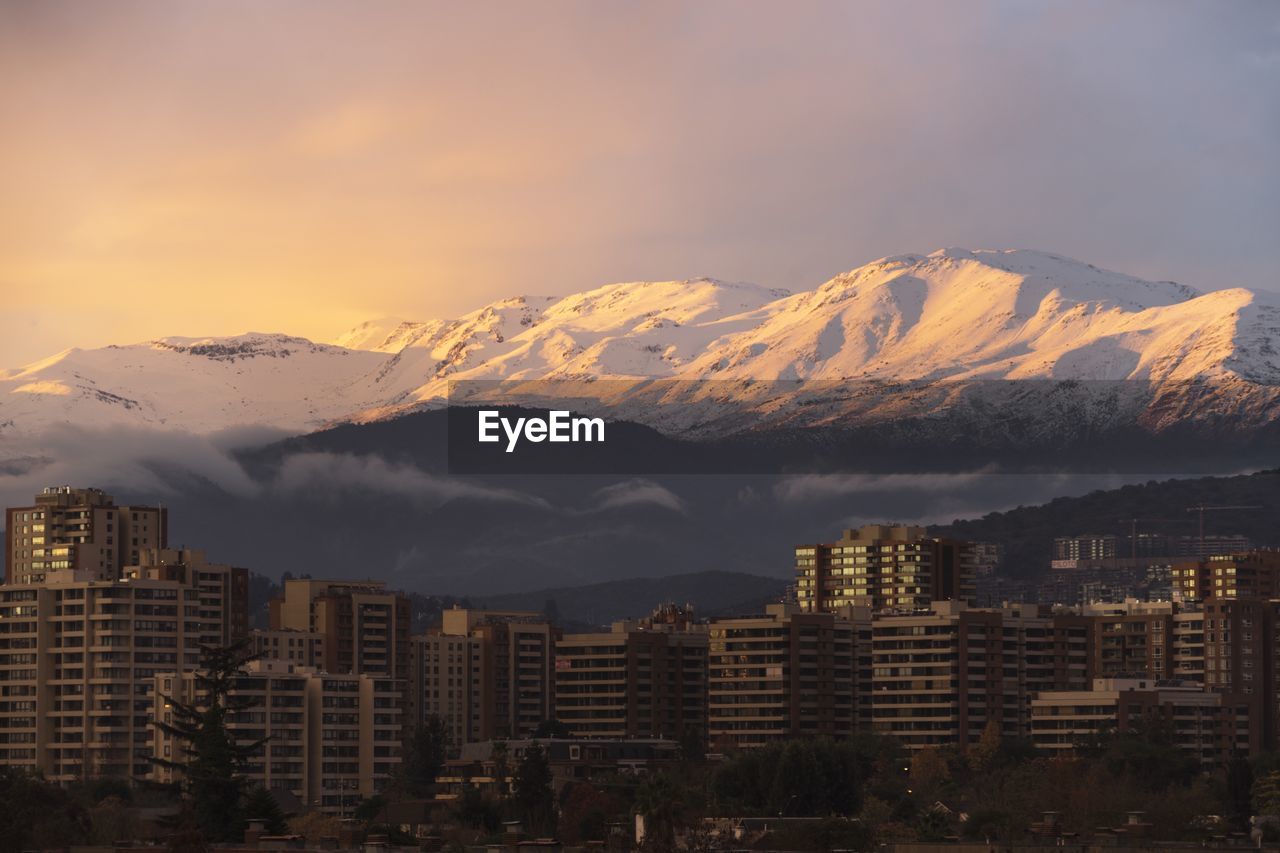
{"type": "Point", "coordinates": [210, 761]}
{"type": "Point", "coordinates": [261, 805]}
{"type": "Point", "coordinates": [424, 757]}
{"type": "Point", "coordinates": [533, 794]}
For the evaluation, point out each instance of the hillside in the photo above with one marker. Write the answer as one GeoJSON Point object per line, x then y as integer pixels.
{"type": "Point", "coordinates": [1028, 532]}
{"type": "Point", "coordinates": [710, 593]}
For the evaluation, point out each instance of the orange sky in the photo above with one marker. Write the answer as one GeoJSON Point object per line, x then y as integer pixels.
{"type": "Point", "coordinates": [211, 168]}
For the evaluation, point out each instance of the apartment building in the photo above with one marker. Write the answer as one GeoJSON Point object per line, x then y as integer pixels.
{"type": "Point", "coordinates": [487, 673]}
{"type": "Point", "coordinates": [884, 567]}
{"type": "Point", "coordinates": [440, 684]}
{"type": "Point", "coordinates": [1214, 727]}
{"type": "Point", "coordinates": [1251, 574]}
{"type": "Point", "coordinates": [1132, 638]}
{"type": "Point", "coordinates": [78, 658]}
{"type": "Point", "coordinates": [1240, 656]}
{"type": "Point", "coordinates": [640, 680]}
{"type": "Point", "coordinates": [363, 625]}
{"type": "Point", "coordinates": [330, 740]}
{"type": "Point", "coordinates": [940, 676]}
{"type": "Point", "coordinates": [301, 648]}
{"type": "Point", "coordinates": [1150, 639]}
{"type": "Point", "coordinates": [785, 674]}
{"type": "Point", "coordinates": [223, 590]}
{"type": "Point", "coordinates": [81, 530]}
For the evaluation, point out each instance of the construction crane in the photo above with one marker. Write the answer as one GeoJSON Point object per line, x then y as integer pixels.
{"type": "Point", "coordinates": [1202, 509]}
{"type": "Point", "coordinates": [1133, 529]}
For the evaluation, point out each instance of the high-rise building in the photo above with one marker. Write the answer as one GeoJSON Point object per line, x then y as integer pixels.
{"type": "Point", "coordinates": [81, 530]}
{"type": "Point", "coordinates": [642, 679]}
{"type": "Point", "coordinates": [943, 675]}
{"type": "Point", "coordinates": [501, 659]}
{"type": "Point", "coordinates": [1252, 574]}
{"type": "Point", "coordinates": [1132, 638]}
{"type": "Point", "coordinates": [785, 674]}
{"type": "Point", "coordinates": [331, 740]}
{"type": "Point", "coordinates": [301, 648]}
{"type": "Point", "coordinates": [224, 590]}
{"type": "Point", "coordinates": [1240, 655]}
{"type": "Point", "coordinates": [1214, 727]}
{"type": "Point", "coordinates": [78, 657]}
{"type": "Point", "coordinates": [884, 567]}
{"type": "Point", "coordinates": [1087, 546]}
{"type": "Point", "coordinates": [441, 669]}
{"type": "Point", "coordinates": [364, 626]}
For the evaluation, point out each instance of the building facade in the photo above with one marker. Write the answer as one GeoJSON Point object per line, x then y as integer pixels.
{"type": "Point", "coordinates": [78, 658]}
{"type": "Point", "coordinates": [884, 567]}
{"type": "Point", "coordinates": [1215, 727]}
{"type": "Point", "coordinates": [785, 674]}
{"type": "Point", "coordinates": [942, 676]}
{"type": "Point", "coordinates": [363, 625]}
{"type": "Point", "coordinates": [636, 681]}
{"type": "Point", "coordinates": [80, 530]}
{"type": "Point", "coordinates": [329, 740]}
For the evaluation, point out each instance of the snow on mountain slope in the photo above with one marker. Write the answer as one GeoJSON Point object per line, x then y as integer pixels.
{"type": "Point", "coordinates": [955, 315]}
{"type": "Point", "coordinates": [193, 384]}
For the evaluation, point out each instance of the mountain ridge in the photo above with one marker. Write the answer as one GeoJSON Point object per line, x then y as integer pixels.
{"type": "Point", "coordinates": [953, 315]}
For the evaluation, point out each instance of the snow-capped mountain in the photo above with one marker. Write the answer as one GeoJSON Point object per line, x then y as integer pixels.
{"type": "Point", "coordinates": [954, 315]}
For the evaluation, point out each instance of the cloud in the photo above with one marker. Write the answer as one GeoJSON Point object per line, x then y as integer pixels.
{"type": "Point", "coordinates": [335, 476]}
{"type": "Point", "coordinates": [147, 461]}
{"type": "Point", "coordinates": [636, 493]}
{"type": "Point", "coordinates": [825, 487]}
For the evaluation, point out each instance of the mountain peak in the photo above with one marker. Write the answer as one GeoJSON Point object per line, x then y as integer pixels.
{"type": "Point", "coordinates": [954, 313]}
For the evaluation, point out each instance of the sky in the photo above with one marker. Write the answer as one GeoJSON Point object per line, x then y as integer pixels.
{"type": "Point", "coordinates": [209, 168]}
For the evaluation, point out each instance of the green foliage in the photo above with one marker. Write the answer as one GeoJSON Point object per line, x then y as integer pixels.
{"type": "Point", "coordinates": [664, 802]}
{"type": "Point", "coordinates": [424, 757]}
{"type": "Point", "coordinates": [795, 778]}
{"type": "Point", "coordinates": [1028, 532]}
{"type": "Point", "coordinates": [36, 814]}
{"type": "Point", "coordinates": [1238, 788]}
{"type": "Point", "coordinates": [1266, 794]}
{"type": "Point", "coordinates": [693, 744]}
{"type": "Point", "coordinates": [552, 729]}
{"type": "Point", "coordinates": [1148, 755]}
{"type": "Point", "coordinates": [367, 811]}
{"type": "Point", "coordinates": [477, 811]}
{"type": "Point", "coordinates": [261, 805]}
{"type": "Point", "coordinates": [533, 798]}
{"type": "Point", "coordinates": [585, 812]}
{"type": "Point", "coordinates": [211, 761]}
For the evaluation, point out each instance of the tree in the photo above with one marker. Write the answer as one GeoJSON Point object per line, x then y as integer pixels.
{"type": "Point", "coordinates": [984, 753]}
{"type": "Point", "coordinates": [1239, 787]}
{"type": "Point", "coordinates": [477, 811]}
{"type": "Point", "coordinates": [211, 761]}
{"type": "Point", "coordinates": [584, 814]}
{"type": "Point", "coordinates": [1266, 794]}
{"type": "Point", "coordinates": [36, 814]}
{"type": "Point", "coordinates": [424, 757]}
{"type": "Point", "coordinates": [662, 801]}
{"type": "Point", "coordinates": [533, 796]}
{"type": "Point", "coordinates": [928, 771]}
{"type": "Point", "coordinates": [693, 744]}
{"type": "Point", "coordinates": [261, 805]}
{"type": "Point", "coordinates": [552, 729]}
